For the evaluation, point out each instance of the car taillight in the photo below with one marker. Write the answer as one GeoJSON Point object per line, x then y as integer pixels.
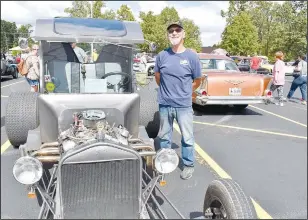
{"type": "Point", "coordinates": [204, 93]}
{"type": "Point", "coordinates": [269, 93]}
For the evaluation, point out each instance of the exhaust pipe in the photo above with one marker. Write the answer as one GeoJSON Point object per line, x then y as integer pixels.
{"type": "Point", "coordinates": [50, 144]}
{"type": "Point", "coordinates": [49, 159]}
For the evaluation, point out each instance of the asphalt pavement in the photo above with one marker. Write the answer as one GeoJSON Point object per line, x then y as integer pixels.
{"type": "Point", "coordinates": [264, 148]}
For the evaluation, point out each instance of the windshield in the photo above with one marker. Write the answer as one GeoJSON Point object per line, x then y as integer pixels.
{"type": "Point", "coordinates": [73, 68]}
{"type": "Point", "coordinates": [218, 64]}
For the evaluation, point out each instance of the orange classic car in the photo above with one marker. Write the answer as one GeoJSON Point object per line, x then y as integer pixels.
{"type": "Point", "coordinates": [224, 84]}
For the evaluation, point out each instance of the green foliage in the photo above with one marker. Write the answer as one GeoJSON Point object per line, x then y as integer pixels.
{"type": "Point", "coordinates": [125, 14]}
{"type": "Point", "coordinates": [10, 35]}
{"type": "Point", "coordinates": [82, 9]}
{"type": "Point", "coordinates": [279, 27]}
{"type": "Point", "coordinates": [240, 36]}
{"type": "Point", "coordinates": [154, 29]}
{"type": "Point", "coordinates": [8, 39]}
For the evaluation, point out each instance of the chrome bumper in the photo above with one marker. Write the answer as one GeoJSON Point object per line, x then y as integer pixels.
{"type": "Point", "coordinates": [230, 100]}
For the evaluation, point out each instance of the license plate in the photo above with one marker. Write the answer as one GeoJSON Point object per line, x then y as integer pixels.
{"type": "Point", "coordinates": [235, 91]}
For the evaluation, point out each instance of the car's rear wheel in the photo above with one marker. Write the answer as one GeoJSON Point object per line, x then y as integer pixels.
{"type": "Point", "coordinates": [225, 199]}
{"type": "Point", "coordinates": [21, 116]}
{"type": "Point", "coordinates": [149, 112]}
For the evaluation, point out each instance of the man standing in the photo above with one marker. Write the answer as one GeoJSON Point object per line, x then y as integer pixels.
{"type": "Point", "coordinates": [178, 74]}
{"type": "Point", "coordinates": [254, 64]}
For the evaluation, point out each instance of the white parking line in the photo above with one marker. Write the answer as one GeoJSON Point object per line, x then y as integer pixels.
{"type": "Point", "coordinates": [13, 84]}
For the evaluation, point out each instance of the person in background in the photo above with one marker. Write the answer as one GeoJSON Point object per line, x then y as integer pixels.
{"type": "Point", "coordinates": [300, 79]}
{"type": "Point", "coordinates": [278, 77]}
{"type": "Point", "coordinates": [143, 62]}
{"type": "Point", "coordinates": [94, 55]}
{"type": "Point", "coordinates": [33, 75]}
{"type": "Point", "coordinates": [81, 55]}
{"type": "Point", "coordinates": [178, 75]}
{"type": "Point", "coordinates": [254, 63]}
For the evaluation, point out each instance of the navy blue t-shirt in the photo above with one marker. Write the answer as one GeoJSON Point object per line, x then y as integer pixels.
{"type": "Point", "coordinates": [177, 71]}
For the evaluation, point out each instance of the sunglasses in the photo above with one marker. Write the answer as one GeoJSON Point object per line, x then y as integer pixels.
{"type": "Point", "coordinates": [177, 30]}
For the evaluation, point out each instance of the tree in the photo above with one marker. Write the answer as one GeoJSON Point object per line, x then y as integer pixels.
{"type": "Point", "coordinates": [125, 14]}
{"type": "Point", "coordinates": [24, 31]}
{"type": "Point", "coordinates": [235, 7]}
{"type": "Point", "coordinates": [240, 36]}
{"type": "Point", "coordinates": [82, 9]}
{"type": "Point", "coordinates": [280, 27]}
{"type": "Point", "coordinates": [154, 29]}
{"type": "Point", "coordinates": [192, 38]}
{"type": "Point", "coordinates": [8, 35]}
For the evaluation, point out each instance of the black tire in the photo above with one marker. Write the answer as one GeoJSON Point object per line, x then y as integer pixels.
{"type": "Point", "coordinates": [21, 116]}
{"type": "Point", "coordinates": [149, 71]}
{"type": "Point", "coordinates": [227, 193]}
{"type": "Point", "coordinates": [149, 113]}
{"type": "Point", "coordinates": [15, 73]}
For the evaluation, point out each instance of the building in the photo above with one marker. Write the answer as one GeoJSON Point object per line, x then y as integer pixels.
{"type": "Point", "coordinates": [207, 49]}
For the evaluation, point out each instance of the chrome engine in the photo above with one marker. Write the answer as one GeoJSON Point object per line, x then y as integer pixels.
{"type": "Point", "coordinates": [92, 125]}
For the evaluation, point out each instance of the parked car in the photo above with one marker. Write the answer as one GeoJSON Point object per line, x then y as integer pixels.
{"type": "Point", "coordinates": [86, 142]}
{"type": "Point", "coordinates": [244, 66]}
{"type": "Point", "coordinates": [8, 67]}
{"type": "Point", "coordinates": [224, 84]}
{"type": "Point", "coordinates": [289, 68]}
{"type": "Point", "coordinates": [237, 59]}
{"type": "Point", "coordinates": [149, 66]}
{"type": "Point", "coordinates": [267, 65]}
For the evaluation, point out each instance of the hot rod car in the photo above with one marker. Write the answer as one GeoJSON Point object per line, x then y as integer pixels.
{"type": "Point", "coordinates": [224, 84]}
{"type": "Point", "coordinates": [86, 139]}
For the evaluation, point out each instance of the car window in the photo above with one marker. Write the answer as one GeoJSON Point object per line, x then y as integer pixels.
{"type": "Point", "coordinates": [218, 64]}
{"type": "Point", "coordinates": [74, 70]}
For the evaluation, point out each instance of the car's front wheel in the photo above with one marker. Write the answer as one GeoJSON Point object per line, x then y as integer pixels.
{"type": "Point", "coordinates": [21, 116]}
{"type": "Point", "coordinates": [225, 199]}
{"type": "Point", "coordinates": [151, 71]}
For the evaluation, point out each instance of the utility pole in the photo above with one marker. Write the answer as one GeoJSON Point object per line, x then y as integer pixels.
{"type": "Point", "coordinates": [91, 2]}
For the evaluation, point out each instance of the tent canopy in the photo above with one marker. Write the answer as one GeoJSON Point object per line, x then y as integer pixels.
{"type": "Point", "coordinates": [16, 48]}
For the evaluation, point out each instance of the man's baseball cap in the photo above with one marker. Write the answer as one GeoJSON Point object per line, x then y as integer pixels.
{"type": "Point", "coordinates": [177, 23]}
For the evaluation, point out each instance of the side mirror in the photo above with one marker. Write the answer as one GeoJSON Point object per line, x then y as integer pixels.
{"type": "Point", "coordinates": [23, 43]}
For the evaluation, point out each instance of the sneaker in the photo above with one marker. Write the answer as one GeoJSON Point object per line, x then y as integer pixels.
{"type": "Point", "coordinates": [304, 102]}
{"type": "Point", "coordinates": [187, 172]}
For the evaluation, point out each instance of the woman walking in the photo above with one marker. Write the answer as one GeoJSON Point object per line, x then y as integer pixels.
{"type": "Point", "coordinates": [300, 79]}
{"type": "Point", "coordinates": [278, 77]}
{"type": "Point", "coordinates": [33, 74]}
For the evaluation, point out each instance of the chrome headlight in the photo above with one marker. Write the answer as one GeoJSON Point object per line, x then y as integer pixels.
{"type": "Point", "coordinates": [166, 160]}
{"type": "Point", "coordinates": [28, 170]}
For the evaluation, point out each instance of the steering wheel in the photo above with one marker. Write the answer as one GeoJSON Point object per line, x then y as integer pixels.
{"type": "Point", "coordinates": [118, 73]}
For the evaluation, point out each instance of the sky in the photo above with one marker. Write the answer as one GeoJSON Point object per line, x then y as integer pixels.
{"type": "Point", "coordinates": [205, 14]}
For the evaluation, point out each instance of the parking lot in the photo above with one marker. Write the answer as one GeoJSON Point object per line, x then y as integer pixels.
{"type": "Point", "coordinates": [264, 148]}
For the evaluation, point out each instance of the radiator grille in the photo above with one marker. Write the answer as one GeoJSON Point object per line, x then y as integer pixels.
{"type": "Point", "coordinates": [101, 190]}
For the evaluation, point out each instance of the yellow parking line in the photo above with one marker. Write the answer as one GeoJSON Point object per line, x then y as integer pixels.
{"type": "Point", "coordinates": [279, 116]}
{"type": "Point", "coordinates": [250, 129]}
{"type": "Point", "coordinates": [5, 146]}
{"type": "Point", "coordinates": [262, 214]}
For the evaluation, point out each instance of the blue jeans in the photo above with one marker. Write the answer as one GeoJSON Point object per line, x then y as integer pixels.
{"type": "Point", "coordinates": [32, 82]}
{"type": "Point", "coordinates": [301, 82]}
{"type": "Point", "coordinates": [184, 117]}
